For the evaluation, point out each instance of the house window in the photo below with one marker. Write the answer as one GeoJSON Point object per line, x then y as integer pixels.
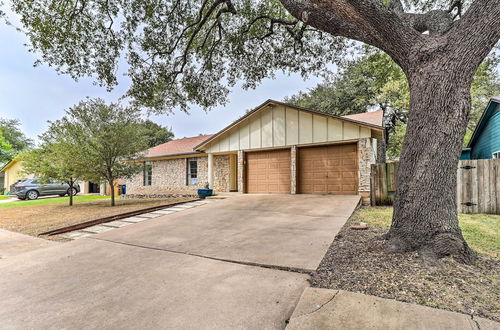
{"type": "Point", "coordinates": [496, 155]}
{"type": "Point", "coordinates": [192, 171]}
{"type": "Point", "coordinates": [147, 173]}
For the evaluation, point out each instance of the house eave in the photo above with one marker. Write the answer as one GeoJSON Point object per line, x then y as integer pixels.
{"type": "Point", "coordinates": [172, 156]}
{"type": "Point", "coordinates": [480, 122]}
{"type": "Point", "coordinates": [8, 165]}
{"type": "Point", "coordinates": [274, 103]}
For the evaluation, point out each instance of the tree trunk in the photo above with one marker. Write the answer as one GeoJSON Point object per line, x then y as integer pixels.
{"type": "Point", "coordinates": [111, 183]}
{"type": "Point", "coordinates": [425, 210]}
{"type": "Point", "coordinates": [71, 184]}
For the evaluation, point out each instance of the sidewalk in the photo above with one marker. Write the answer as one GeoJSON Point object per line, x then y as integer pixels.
{"type": "Point", "coordinates": [12, 243]}
{"type": "Point", "coordinates": [338, 309]}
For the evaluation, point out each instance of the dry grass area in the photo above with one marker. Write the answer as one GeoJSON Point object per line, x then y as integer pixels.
{"type": "Point", "coordinates": [146, 191]}
{"type": "Point", "coordinates": [357, 261]}
{"type": "Point", "coordinates": [36, 219]}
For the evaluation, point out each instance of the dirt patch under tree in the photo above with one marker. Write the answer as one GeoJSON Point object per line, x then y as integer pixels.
{"type": "Point", "coordinates": [357, 261]}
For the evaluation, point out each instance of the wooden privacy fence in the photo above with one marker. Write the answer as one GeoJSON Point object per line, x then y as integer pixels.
{"type": "Point", "coordinates": [478, 185]}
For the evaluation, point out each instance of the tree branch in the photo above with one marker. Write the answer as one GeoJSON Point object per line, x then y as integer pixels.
{"type": "Point", "coordinates": [476, 33]}
{"type": "Point", "coordinates": [368, 21]}
{"type": "Point", "coordinates": [434, 21]}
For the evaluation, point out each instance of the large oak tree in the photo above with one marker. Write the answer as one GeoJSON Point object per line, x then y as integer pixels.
{"type": "Point", "coordinates": [181, 52]}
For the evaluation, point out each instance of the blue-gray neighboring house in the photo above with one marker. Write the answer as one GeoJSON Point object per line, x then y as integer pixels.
{"type": "Point", "coordinates": [485, 141]}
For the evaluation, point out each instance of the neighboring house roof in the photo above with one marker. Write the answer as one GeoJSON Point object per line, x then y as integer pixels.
{"type": "Point", "coordinates": [176, 147]}
{"type": "Point", "coordinates": [372, 117]}
{"type": "Point", "coordinates": [360, 121]}
{"type": "Point", "coordinates": [488, 112]}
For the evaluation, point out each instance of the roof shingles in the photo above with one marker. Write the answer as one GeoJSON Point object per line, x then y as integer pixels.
{"type": "Point", "coordinates": [372, 117]}
{"type": "Point", "coordinates": [176, 147]}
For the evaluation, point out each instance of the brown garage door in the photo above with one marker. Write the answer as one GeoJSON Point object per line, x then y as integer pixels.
{"type": "Point", "coordinates": [328, 170]}
{"type": "Point", "coordinates": [268, 172]}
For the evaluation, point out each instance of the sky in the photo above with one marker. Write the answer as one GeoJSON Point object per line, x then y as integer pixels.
{"type": "Point", "coordinates": [37, 94]}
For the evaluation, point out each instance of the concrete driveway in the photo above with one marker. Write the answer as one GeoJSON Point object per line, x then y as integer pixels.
{"type": "Point", "coordinates": [161, 273]}
{"type": "Point", "coordinates": [279, 230]}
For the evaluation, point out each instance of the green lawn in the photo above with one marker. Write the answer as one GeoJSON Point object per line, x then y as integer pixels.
{"type": "Point", "coordinates": [49, 201]}
{"type": "Point", "coordinates": [480, 230]}
{"type": "Point", "coordinates": [5, 197]}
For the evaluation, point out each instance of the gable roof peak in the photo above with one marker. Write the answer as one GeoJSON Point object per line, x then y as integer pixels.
{"type": "Point", "coordinates": [268, 102]}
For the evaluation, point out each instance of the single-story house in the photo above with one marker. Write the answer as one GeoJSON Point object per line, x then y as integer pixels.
{"type": "Point", "coordinates": [12, 172]}
{"type": "Point", "coordinates": [485, 141]}
{"type": "Point", "coordinates": [275, 148]}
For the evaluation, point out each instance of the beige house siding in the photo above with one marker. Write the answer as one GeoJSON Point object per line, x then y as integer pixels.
{"type": "Point", "coordinates": [14, 173]}
{"type": "Point", "coordinates": [280, 126]}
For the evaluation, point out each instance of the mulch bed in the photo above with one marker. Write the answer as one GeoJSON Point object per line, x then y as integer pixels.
{"type": "Point", "coordinates": [357, 261]}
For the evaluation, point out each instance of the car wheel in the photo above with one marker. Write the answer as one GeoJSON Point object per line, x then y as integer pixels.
{"type": "Point", "coordinates": [73, 191]}
{"type": "Point", "coordinates": [32, 194]}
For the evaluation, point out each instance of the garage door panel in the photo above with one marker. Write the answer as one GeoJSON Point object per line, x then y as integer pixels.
{"type": "Point", "coordinates": [334, 156]}
{"type": "Point", "coordinates": [328, 170]}
{"type": "Point", "coordinates": [334, 162]}
{"type": "Point", "coordinates": [334, 188]}
{"type": "Point", "coordinates": [334, 174]}
{"type": "Point", "coordinates": [349, 176]}
{"type": "Point", "coordinates": [349, 148]}
{"type": "Point", "coordinates": [319, 187]}
{"type": "Point", "coordinates": [348, 189]}
{"type": "Point", "coordinates": [268, 171]}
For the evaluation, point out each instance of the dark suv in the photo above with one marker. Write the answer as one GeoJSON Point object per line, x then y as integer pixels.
{"type": "Point", "coordinates": [32, 188]}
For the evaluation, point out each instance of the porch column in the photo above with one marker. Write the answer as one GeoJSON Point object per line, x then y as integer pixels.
{"type": "Point", "coordinates": [293, 167]}
{"type": "Point", "coordinates": [367, 155]}
{"type": "Point", "coordinates": [241, 171]}
{"type": "Point", "coordinates": [211, 170]}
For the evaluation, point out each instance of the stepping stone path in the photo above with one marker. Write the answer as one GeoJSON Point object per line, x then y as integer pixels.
{"type": "Point", "coordinates": [100, 228]}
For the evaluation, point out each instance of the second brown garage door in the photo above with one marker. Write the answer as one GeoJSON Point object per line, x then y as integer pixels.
{"type": "Point", "coordinates": [328, 170]}
{"type": "Point", "coordinates": [268, 172]}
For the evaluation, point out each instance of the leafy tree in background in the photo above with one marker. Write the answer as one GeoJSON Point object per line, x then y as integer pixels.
{"type": "Point", "coordinates": [6, 151]}
{"type": "Point", "coordinates": [11, 132]}
{"type": "Point", "coordinates": [486, 85]}
{"type": "Point", "coordinates": [181, 52]}
{"type": "Point", "coordinates": [371, 81]}
{"type": "Point", "coordinates": [104, 138]}
{"type": "Point", "coordinates": [156, 134]}
{"type": "Point", "coordinates": [55, 159]}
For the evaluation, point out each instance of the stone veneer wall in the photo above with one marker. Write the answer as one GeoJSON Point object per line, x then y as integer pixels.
{"type": "Point", "coordinates": [169, 176]}
{"type": "Point", "coordinates": [367, 151]}
{"type": "Point", "coordinates": [221, 173]}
